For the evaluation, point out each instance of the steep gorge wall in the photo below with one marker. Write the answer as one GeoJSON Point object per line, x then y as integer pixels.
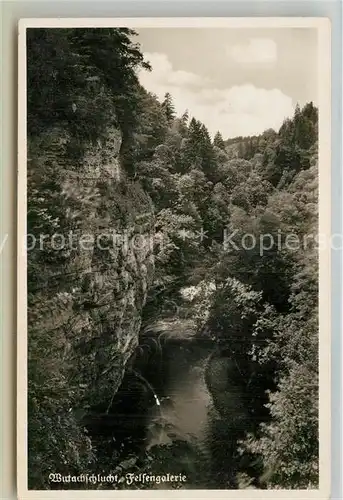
{"type": "Point", "coordinates": [90, 265]}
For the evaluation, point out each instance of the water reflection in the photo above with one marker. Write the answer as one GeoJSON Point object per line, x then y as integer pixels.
{"type": "Point", "coordinates": [183, 433]}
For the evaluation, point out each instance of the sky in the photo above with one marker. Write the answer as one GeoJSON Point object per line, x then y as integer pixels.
{"type": "Point", "coordinates": [240, 81]}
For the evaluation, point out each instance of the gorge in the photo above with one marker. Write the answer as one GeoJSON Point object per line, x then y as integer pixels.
{"type": "Point", "coordinates": [151, 347]}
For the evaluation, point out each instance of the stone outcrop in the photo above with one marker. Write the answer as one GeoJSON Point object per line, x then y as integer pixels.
{"type": "Point", "coordinates": [90, 273]}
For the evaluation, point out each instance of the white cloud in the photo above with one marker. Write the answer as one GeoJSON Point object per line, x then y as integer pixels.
{"type": "Point", "coordinates": [238, 110]}
{"type": "Point", "coordinates": [165, 75]}
{"type": "Point", "coordinates": [256, 51]}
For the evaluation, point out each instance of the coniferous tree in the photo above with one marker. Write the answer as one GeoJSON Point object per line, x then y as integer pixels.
{"type": "Point", "coordinates": [190, 150]}
{"type": "Point", "coordinates": [219, 141]}
{"type": "Point", "coordinates": [208, 162]}
{"type": "Point", "coordinates": [185, 117]}
{"type": "Point", "coordinates": [168, 107]}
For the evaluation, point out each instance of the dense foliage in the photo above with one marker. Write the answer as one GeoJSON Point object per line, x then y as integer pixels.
{"type": "Point", "coordinates": [236, 219]}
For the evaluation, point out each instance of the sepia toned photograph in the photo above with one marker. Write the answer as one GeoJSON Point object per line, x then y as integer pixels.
{"type": "Point", "coordinates": [173, 242]}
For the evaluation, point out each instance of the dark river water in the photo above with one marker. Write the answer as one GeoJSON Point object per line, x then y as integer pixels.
{"type": "Point", "coordinates": [164, 411]}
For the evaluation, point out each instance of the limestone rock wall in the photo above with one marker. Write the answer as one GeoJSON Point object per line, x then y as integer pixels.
{"type": "Point", "coordinates": [90, 272]}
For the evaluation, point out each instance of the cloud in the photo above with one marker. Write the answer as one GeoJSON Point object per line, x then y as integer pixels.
{"type": "Point", "coordinates": [256, 51]}
{"type": "Point", "coordinates": [238, 110]}
{"type": "Point", "coordinates": [165, 75]}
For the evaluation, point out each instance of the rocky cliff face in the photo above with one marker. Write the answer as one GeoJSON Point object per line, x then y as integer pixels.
{"type": "Point", "coordinates": [90, 265]}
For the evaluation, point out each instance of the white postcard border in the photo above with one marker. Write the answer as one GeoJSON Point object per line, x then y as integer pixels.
{"type": "Point", "coordinates": [324, 82]}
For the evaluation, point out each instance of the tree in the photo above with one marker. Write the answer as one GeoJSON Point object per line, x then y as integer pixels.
{"type": "Point", "coordinates": [87, 68]}
{"type": "Point", "coordinates": [253, 192]}
{"type": "Point", "coordinates": [190, 156]}
{"type": "Point", "coordinates": [150, 130]}
{"type": "Point", "coordinates": [168, 107]}
{"type": "Point", "coordinates": [185, 118]}
{"type": "Point", "coordinates": [208, 160]}
{"type": "Point", "coordinates": [219, 141]}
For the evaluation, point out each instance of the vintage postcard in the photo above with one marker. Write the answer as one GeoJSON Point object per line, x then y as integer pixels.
{"type": "Point", "coordinates": [174, 258]}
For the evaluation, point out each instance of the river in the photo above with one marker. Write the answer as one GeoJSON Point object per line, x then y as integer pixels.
{"type": "Point", "coordinates": [164, 411]}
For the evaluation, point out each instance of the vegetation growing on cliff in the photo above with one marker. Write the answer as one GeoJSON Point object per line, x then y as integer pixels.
{"type": "Point", "coordinates": [88, 119]}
